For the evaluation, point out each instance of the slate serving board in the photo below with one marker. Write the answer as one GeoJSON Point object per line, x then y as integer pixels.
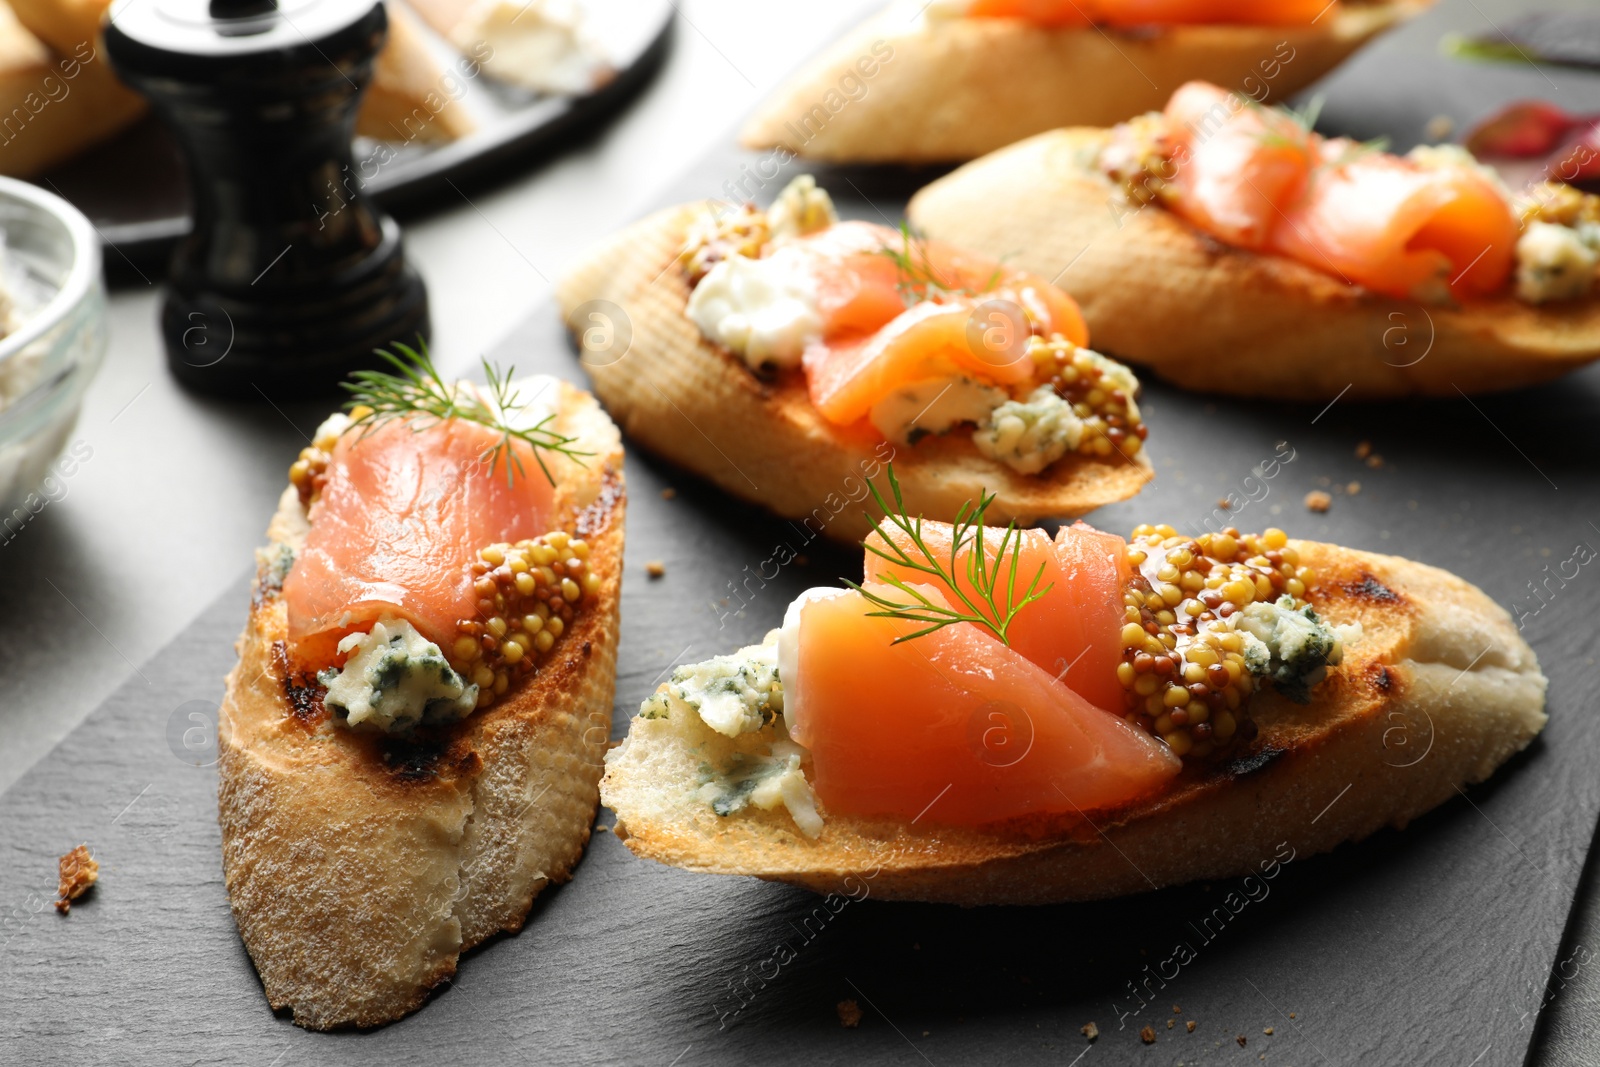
{"type": "Point", "coordinates": [1432, 945]}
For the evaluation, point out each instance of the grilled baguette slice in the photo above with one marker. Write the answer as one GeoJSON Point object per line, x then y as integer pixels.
{"type": "Point", "coordinates": [1438, 691]}
{"type": "Point", "coordinates": [1159, 293]}
{"type": "Point", "coordinates": [360, 867]}
{"type": "Point", "coordinates": [681, 396]}
{"type": "Point", "coordinates": [954, 89]}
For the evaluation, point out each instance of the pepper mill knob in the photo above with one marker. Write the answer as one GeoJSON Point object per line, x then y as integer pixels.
{"type": "Point", "coordinates": [289, 277]}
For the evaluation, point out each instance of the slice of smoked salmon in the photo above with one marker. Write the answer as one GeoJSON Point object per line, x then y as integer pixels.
{"type": "Point", "coordinates": [1239, 165]}
{"type": "Point", "coordinates": [952, 726]}
{"type": "Point", "coordinates": [1074, 631]}
{"type": "Point", "coordinates": [874, 344]}
{"type": "Point", "coordinates": [396, 528]}
{"type": "Point", "coordinates": [1064, 13]}
{"type": "Point", "coordinates": [1398, 228]}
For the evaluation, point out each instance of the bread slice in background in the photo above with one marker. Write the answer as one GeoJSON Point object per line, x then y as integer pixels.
{"type": "Point", "coordinates": [406, 81]}
{"type": "Point", "coordinates": [359, 867]}
{"type": "Point", "coordinates": [953, 89]}
{"type": "Point", "coordinates": [682, 397]}
{"type": "Point", "coordinates": [1438, 691]}
{"type": "Point", "coordinates": [1159, 293]}
{"type": "Point", "coordinates": [54, 106]}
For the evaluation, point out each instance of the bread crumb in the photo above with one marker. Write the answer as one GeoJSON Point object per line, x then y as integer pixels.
{"type": "Point", "coordinates": [1374, 461]}
{"type": "Point", "coordinates": [849, 1014]}
{"type": "Point", "coordinates": [802, 560]}
{"type": "Point", "coordinates": [1189, 1026]}
{"type": "Point", "coordinates": [1318, 501]}
{"type": "Point", "coordinates": [668, 493]}
{"type": "Point", "coordinates": [1222, 502]}
{"type": "Point", "coordinates": [1439, 127]}
{"type": "Point", "coordinates": [1241, 1040]}
{"type": "Point", "coordinates": [1170, 1023]}
{"type": "Point", "coordinates": [1177, 1010]}
{"type": "Point", "coordinates": [1364, 449]}
{"type": "Point", "coordinates": [1148, 1036]}
{"type": "Point", "coordinates": [1291, 1015]}
{"type": "Point", "coordinates": [1089, 1030]}
{"type": "Point", "coordinates": [1353, 488]}
{"type": "Point", "coordinates": [77, 871]}
{"type": "Point", "coordinates": [1267, 1030]}
{"type": "Point", "coordinates": [655, 568]}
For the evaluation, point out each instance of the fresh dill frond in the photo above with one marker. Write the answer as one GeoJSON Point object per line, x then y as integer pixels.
{"type": "Point", "coordinates": [419, 396]}
{"type": "Point", "coordinates": [918, 280]}
{"type": "Point", "coordinates": [993, 604]}
{"type": "Point", "coordinates": [1304, 121]}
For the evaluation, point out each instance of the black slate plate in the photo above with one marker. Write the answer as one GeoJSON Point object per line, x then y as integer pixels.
{"type": "Point", "coordinates": [1432, 945]}
{"type": "Point", "coordinates": [142, 212]}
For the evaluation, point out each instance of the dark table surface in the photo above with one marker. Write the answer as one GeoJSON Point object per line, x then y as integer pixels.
{"type": "Point", "coordinates": [1436, 945]}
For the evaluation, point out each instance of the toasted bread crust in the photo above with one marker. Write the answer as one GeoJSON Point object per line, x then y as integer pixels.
{"type": "Point", "coordinates": [680, 396]}
{"type": "Point", "coordinates": [1439, 690]}
{"type": "Point", "coordinates": [1160, 294]}
{"type": "Point", "coordinates": [959, 88]}
{"type": "Point", "coordinates": [358, 868]}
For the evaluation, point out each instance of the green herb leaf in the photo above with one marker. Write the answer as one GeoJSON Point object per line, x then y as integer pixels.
{"type": "Point", "coordinates": [418, 395]}
{"type": "Point", "coordinates": [918, 280]}
{"type": "Point", "coordinates": [993, 606]}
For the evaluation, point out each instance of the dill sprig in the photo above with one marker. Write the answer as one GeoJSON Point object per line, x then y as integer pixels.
{"type": "Point", "coordinates": [994, 605]}
{"type": "Point", "coordinates": [419, 396]}
{"type": "Point", "coordinates": [917, 278]}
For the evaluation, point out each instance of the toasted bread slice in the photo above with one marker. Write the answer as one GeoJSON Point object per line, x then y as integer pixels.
{"type": "Point", "coordinates": [1438, 691]}
{"type": "Point", "coordinates": [406, 83]}
{"type": "Point", "coordinates": [679, 395]}
{"type": "Point", "coordinates": [54, 106]}
{"type": "Point", "coordinates": [359, 866]}
{"type": "Point", "coordinates": [899, 89]}
{"type": "Point", "coordinates": [407, 100]}
{"type": "Point", "coordinates": [1159, 293]}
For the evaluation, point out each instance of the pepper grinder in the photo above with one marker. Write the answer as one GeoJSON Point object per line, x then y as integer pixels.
{"type": "Point", "coordinates": [290, 276]}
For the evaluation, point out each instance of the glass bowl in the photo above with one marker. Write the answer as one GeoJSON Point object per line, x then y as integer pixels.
{"type": "Point", "coordinates": [55, 308]}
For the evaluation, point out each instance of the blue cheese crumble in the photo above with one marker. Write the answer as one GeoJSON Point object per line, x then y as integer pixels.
{"type": "Point", "coordinates": [1029, 435]}
{"type": "Point", "coordinates": [1556, 262]}
{"type": "Point", "coordinates": [395, 679]}
{"type": "Point", "coordinates": [733, 695]}
{"type": "Point", "coordinates": [1294, 648]}
{"type": "Point", "coordinates": [934, 405]}
{"type": "Point", "coordinates": [748, 758]}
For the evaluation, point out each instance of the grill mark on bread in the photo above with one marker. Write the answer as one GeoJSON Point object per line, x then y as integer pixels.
{"type": "Point", "coordinates": [597, 516]}
{"type": "Point", "coordinates": [1370, 589]}
{"type": "Point", "coordinates": [1253, 763]}
{"type": "Point", "coordinates": [1383, 680]}
{"type": "Point", "coordinates": [424, 758]}
{"type": "Point", "coordinates": [300, 688]}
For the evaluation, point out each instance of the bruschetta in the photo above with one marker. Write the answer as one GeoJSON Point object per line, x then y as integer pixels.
{"type": "Point", "coordinates": [1229, 248]}
{"type": "Point", "coordinates": [951, 80]}
{"type": "Point", "coordinates": [411, 741]}
{"type": "Point", "coordinates": [998, 717]}
{"type": "Point", "coordinates": [786, 356]}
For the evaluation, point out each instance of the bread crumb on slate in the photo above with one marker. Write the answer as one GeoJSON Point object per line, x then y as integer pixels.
{"type": "Point", "coordinates": [849, 1014]}
{"type": "Point", "coordinates": [1318, 501]}
{"type": "Point", "coordinates": [1267, 1030]}
{"type": "Point", "coordinates": [655, 568]}
{"type": "Point", "coordinates": [1189, 1026]}
{"type": "Point", "coordinates": [1089, 1030]}
{"type": "Point", "coordinates": [1222, 502]}
{"type": "Point", "coordinates": [1291, 1015]}
{"type": "Point", "coordinates": [1353, 488]}
{"type": "Point", "coordinates": [1364, 449]}
{"type": "Point", "coordinates": [1170, 1023]}
{"type": "Point", "coordinates": [1177, 1010]}
{"type": "Point", "coordinates": [1439, 127]}
{"type": "Point", "coordinates": [1148, 1036]}
{"type": "Point", "coordinates": [78, 871]}
{"type": "Point", "coordinates": [1374, 461]}
{"type": "Point", "coordinates": [1241, 1040]}
{"type": "Point", "coordinates": [668, 493]}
